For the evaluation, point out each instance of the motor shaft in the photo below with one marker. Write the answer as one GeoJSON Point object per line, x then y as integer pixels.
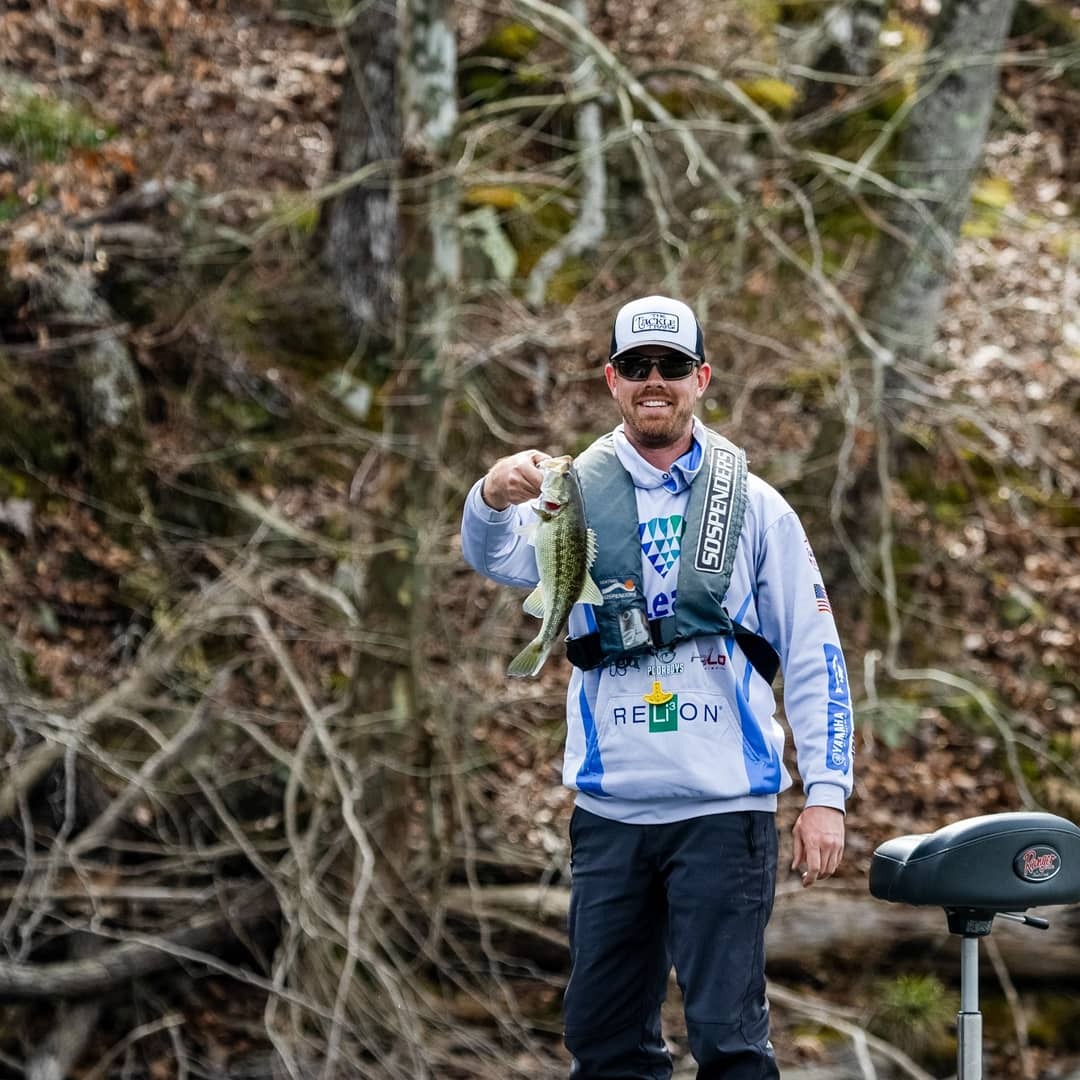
{"type": "Point", "coordinates": [969, 1019]}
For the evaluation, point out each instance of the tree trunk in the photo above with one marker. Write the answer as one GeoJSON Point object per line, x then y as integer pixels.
{"type": "Point", "coordinates": [940, 149]}
{"type": "Point", "coordinates": [843, 42]}
{"type": "Point", "coordinates": [403, 491]}
{"type": "Point", "coordinates": [362, 241]}
{"type": "Point", "coordinates": [431, 250]}
{"type": "Point", "coordinates": [106, 381]}
{"type": "Point", "coordinates": [430, 276]}
{"type": "Point", "coordinates": [591, 223]}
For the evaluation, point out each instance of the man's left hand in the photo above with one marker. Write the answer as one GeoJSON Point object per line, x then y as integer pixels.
{"type": "Point", "coordinates": [819, 843]}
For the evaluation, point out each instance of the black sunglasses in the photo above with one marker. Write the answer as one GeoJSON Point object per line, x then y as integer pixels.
{"type": "Point", "coordinates": [636, 366]}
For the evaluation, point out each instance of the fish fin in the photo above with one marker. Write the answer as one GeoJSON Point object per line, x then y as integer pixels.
{"type": "Point", "coordinates": [590, 592]}
{"type": "Point", "coordinates": [590, 548]}
{"type": "Point", "coordinates": [528, 530]}
{"type": "Point", "coordinates": [534, 602]}
{"type": "Point", "coordinates": [529, 661]}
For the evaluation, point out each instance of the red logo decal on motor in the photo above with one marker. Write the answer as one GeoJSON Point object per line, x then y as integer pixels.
{"type": "Point", "coordinates": [1038, 863]}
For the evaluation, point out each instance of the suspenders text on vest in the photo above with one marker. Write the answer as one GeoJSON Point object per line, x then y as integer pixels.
{"type": "Point", "coordinates": [714, 521]}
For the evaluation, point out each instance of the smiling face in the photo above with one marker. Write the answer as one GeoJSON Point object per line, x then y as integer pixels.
{"type": "Point", "coordinates": [657, 413]}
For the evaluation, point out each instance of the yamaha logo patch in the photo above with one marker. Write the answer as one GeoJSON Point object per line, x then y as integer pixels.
{"type": "Point", "coordinates": [712, 544]}
{"type": "Point", "coordinates": [1037, 863]}
{"type": "Point", "coordinates": [649, 322]}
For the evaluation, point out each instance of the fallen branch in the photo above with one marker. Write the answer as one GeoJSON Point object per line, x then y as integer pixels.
{"type": "Point", "coordinates": [131, 960]}
{"type": "Point", "coordinates": [837, 921]}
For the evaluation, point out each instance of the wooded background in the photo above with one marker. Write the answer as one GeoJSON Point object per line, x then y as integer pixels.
{"type": "Point", "coordinates": [281, 278]}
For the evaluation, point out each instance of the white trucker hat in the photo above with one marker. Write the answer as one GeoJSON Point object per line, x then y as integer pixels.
{"type": "Point", "coordinates": [657, 320]}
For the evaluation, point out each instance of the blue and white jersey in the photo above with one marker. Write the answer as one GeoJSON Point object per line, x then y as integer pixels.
{"type": "Point", "coordinates": [692, 730]}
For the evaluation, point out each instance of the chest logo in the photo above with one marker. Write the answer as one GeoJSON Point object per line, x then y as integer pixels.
{"type": "Point", "coordinates": [663, 709]}
{"type": "Point", "coordinates": [661, 541]}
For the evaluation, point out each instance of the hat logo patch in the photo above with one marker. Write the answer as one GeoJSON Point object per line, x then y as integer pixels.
{"type": "Point", "coordinates": [651, 321]}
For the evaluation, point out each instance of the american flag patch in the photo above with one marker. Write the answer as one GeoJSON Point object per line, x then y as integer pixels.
{"type": "Point", "coordinates": [822, 599]}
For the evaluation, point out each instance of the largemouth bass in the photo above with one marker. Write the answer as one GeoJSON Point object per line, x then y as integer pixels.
{"type": "Point", "coordinates": [565, 550]}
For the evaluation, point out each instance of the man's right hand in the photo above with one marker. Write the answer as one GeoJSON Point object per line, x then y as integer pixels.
{"type": "Point", "coordinates": [513, 480]}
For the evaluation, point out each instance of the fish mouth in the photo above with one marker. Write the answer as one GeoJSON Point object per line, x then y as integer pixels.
{"type": "Point", "coordinates": [557, 465]}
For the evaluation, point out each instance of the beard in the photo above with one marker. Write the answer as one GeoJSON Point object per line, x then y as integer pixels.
{"type": "Point", "coordinates": [663, 429]}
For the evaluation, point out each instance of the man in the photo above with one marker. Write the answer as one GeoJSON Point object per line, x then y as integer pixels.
{"type": "Point", "coordinates": [672, 746]}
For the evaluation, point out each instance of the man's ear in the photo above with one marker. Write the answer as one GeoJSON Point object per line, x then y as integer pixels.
{"type": "Point", "coordinates": [704, 376]}
{"type": "Point", "coordinates": [610, 376]}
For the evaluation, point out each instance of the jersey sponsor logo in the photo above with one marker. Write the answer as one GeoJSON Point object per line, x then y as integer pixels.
{"type": "Point", "coordinates": [663, 663]}
{"type": "Point", "coordinates": [838, 747]}
{"type": "Point", "coordinates": [663, 709]}
{"type": "Point", "coordinates": [712, 659]}
{"type": "Point", "coordinates": [670, 713]}
{"type": "Point", "coordinates": [712, 544]}
{"type": "Point", "coordinates": [617, 669]}
{"type": "Point", "coordinates": [662, 605]}
{"type": "Point", "coordinates": [661, 541]}
{"type": "Point", "coordinates": [649, 322]}
{"type": "Point", "coordinates": [660, 670]}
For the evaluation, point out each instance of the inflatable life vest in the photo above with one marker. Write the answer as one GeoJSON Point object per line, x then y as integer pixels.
{"type": "Point", "coordinates": [714, 520]}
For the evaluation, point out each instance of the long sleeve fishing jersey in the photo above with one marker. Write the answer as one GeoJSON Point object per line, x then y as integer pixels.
{"type": "Point", "coordinates": [692, 729]}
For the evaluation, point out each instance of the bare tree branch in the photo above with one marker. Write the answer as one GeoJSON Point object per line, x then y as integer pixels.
{"type": "Point", "coordinates": [113, 966]}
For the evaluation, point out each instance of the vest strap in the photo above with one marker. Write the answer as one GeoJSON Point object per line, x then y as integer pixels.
{"type": "Point", "coordinates": [586, 652]}
{"type": "Point", "coordinates": [759, 652]}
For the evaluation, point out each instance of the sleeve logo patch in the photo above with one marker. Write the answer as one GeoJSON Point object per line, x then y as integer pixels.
{"type": "Point", "coordinates": [838, 750]}
{"type": "Point", "coordinates": [838, 682]}
{"type": "Point", "coordinates": [839, 737]}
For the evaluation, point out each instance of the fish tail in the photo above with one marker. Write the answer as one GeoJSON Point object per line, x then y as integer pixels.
{"type": "Point", "coordinates": [529, 661]}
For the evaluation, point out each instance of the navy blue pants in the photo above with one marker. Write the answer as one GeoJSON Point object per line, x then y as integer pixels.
{"type": "Point", "coordinates": [696, 893]}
